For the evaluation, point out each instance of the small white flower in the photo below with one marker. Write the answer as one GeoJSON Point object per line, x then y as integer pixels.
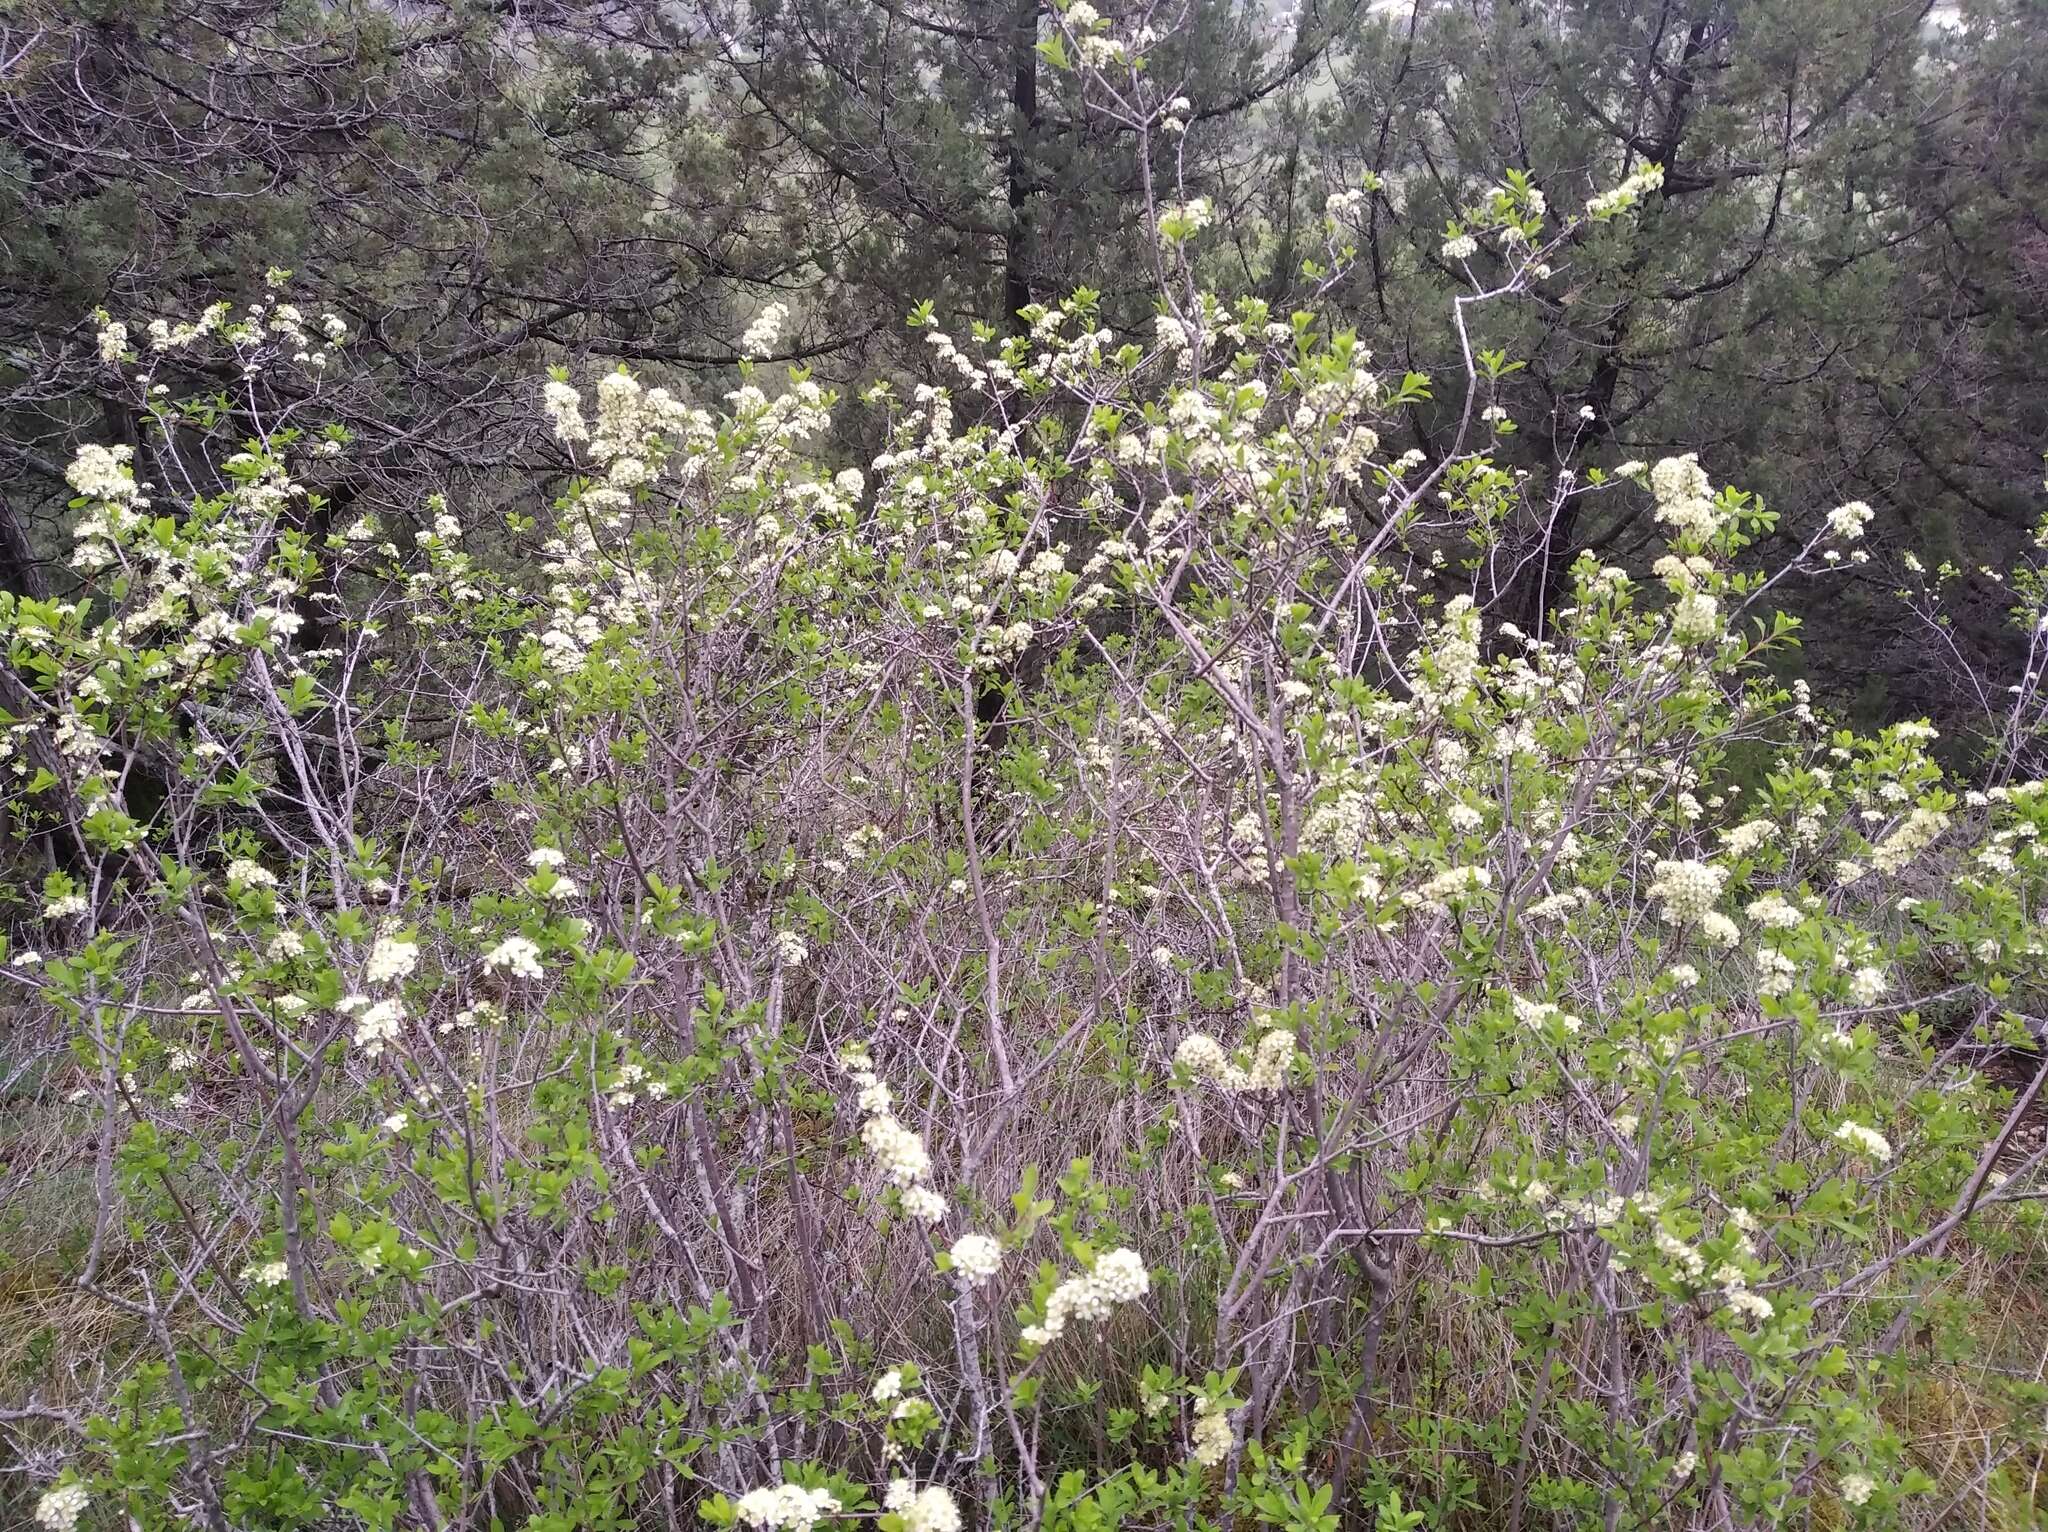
{"type": "Point", "coordinates": [1857, 1488]}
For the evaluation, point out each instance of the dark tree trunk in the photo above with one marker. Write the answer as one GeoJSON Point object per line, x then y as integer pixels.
{"type": "Point", "coordinates": [1023, 125]}
{"type": "Point", "coordinates": [20, 570]}
{"type": "Point", "coordinates": [1601, 389]}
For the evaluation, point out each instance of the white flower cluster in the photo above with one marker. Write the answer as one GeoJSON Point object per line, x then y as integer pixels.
{"type": "Point", "coordinates": [1750, 1305]}
{"type": "Point", "coordinates": [390, 959]}
{"type": "Point", "coordinates": [1460, 247]}
{"type": "Point", "coordinates": [1921, 829]}
{"type": "Point", "coordinates": [1213, 1437]}
{"type": "Point", "coordinates": [1867, 986]}
{"type": "Point", "coordinates": [1453, 659]}
{"type": "Point", "coordinates": [1685, 496]}
{"type": "Point", "coordinates": [1118, 1277]}
{"type": "Point", "coordinates": [930, 1509]}
{"type": "Point", "coordinates": [1735, 1289]}
{"type": "Point", "coordinates": [1679, 1253]}
{"type": "Point", "coordinates": [1627, 194]}
{"type": "Point", "coordinates": [1774, 912]}
{"type": "Point", "coordinates": [564, 406]}
{"type": "Point", "coordinates": [624, 1089]}
{"type": "Point", "coordinates": [1748, 836]}
{"type": "Point", "coordinates": [269, 1274]}
{"type": "Point", "coordinates": [1097, 48]}
{"type": "Point", "coordinates": [1776, 973]}
{"type": "Point", "coordinates": [1695, 618]}
{"type": "Point", "coordinates": [1688, 889]}
{"type": "Point", "coordinates": [786, 1505]}
{"type": "Point", "coordinates": [165, 336]}
{"type": "Point", "coordinates": [517, 955]}
{"type": "Point", "coordinates": [60, 1508]}
{"type": "Point", "coordinates": [102, 473]}
{"type": "Point", "coordinates": [376, 1025]}
{"type": "Point", "coordinates": [243, 873]}
{"type": "Point", "coordinates": [1537, 1015]}
{"type": "Point", "coordinates": [1455, 883]}
{"type": "Point", "coordinates": [635, 427]}
{"type": "Point", "coordinates": [1848, 521]}
{"type": "Point", "coordinates": [763, 333]}
{"type": "Point", "coordinates": [975, 1258]}
{"type": "Point", "coordinates": [899, 1151]}
{"type": "Point", "coordinates": [1865, 1141]}
{"type": "Point", "coordinates": [1272, 1062]}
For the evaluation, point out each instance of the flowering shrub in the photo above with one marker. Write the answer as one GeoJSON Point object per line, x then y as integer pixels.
{"type": "Point", "coordinates": [609, 1023]}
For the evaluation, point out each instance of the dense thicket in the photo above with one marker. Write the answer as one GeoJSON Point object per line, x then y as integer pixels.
{"type": "Point", "coordinates": [853, 763]}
